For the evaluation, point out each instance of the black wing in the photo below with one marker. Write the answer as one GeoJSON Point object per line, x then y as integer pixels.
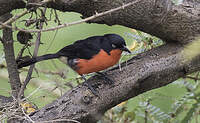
{"type": "Point", "coordinates": [84, 49]}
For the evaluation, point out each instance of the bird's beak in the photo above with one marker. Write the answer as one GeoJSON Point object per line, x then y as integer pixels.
{"type": "Point", "coordinates": [124, 48]}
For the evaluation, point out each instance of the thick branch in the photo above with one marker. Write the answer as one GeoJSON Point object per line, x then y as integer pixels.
{"type": "Point", "coordinates": [157, 17]}
{"type": "Point", "coordinates": [7, 6]}
{"type": "Point", "coordinates": [149, 70]}
{"type": "Point", "coordinates": [10, 59]}
{"type": "Point", "coordinates": [4, 100]}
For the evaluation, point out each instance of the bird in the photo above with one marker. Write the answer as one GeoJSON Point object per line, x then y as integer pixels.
{"type": "Point", "coordinates": [89, 55]}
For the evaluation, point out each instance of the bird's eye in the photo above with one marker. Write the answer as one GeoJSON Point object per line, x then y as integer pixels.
{"type": "Point", "coordinates": [114, 46]}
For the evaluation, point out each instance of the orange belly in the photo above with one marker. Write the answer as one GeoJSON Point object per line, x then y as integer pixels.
{"type": "Point", "coordinates": [99, 62]}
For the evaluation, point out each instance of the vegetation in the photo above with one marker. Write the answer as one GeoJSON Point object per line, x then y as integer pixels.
{"type": "Point", "coordinates": [178, 102]}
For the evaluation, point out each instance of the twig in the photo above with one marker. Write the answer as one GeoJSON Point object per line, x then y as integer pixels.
{"type": "Point", "coordinates": [36, 90]}
{"type": "Point", "coordinates": [195, 78]}
{"type": "Point", "coordinates": [17, 16]}
{"type": "Point", "coordinates": [40, 3]}
{"type": "Point", "coordinates": [56, 17]}
{"type": "Point", "coordinates": [76, 22]}
{"type": "Point", "coordinates": [52, 41]}
{"type": "Point", "coordinates": [22, 51]}
{"type": "Point", "coordinates": [14, 18]}
{"type": "Point", "coordinates": [146, 111]}
{"type": "Point", "coordinates": [68, 120]}
{"type": "Point", "coordinates": [30, 71]}
{"type": "Point", "coordinates": [27, 116]}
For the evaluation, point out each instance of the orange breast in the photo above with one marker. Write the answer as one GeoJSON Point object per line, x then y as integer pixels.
{"type": "Point", "coordinates": [99, 62]}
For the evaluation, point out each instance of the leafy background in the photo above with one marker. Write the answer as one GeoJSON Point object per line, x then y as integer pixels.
{"type": "Point", "coordinates": [177, 102]}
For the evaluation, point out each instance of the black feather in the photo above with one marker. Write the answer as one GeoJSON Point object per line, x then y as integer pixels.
{"type": "Point", "coordinates": [36, 59]}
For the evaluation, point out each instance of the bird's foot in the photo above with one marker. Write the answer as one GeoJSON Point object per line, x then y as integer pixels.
{"type": "Point", "coordinates": [89, 86]}
{"type": "Point", "coordinates": [106, 78]}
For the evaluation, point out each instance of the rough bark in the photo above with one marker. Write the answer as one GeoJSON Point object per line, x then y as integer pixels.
{"type": "Point", "coordinates": [10, 58]}
{"type": "Point", "coordinates": [4, 100]}
{"type": "Point", "coordinates": [14, 80]}
{"type": "Point", "coordinates": [149, 70]}
{"type": "Point", "coordinates": [7, 6]}
{"type": "Point", "coordinates": [176, 24]}
{"type": "Point", "coordinates": [157, 17]}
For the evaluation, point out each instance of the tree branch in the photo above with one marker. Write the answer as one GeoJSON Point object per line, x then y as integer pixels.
{"type": "Point", "coordinates": [10, 59]}
{"type": "Point", "coordinates": [14, 18]}
{"type": "Point", "coordinates": [149, 70]}
{"type": "Point", "coordinates": [160, 18]}
{"type": "Point", "coordinates": [69, 24]}
{"type": "Point", "coordinates": [30, 71]}
{"type": "Point", "coordinates": [7, 6]}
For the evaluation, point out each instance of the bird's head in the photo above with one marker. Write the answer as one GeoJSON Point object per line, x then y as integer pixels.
{"type": "Point", "coordinates": [117, 42]}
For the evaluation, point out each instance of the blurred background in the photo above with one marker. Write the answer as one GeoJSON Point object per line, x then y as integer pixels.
{"type": "Point", "coordinates": [177, 102]}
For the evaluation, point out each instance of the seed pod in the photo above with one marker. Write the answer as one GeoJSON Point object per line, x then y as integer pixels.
{"type": "Point", "coordinates": [24, 37]}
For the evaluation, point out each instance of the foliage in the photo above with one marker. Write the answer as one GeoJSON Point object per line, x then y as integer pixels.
{"type": "Point", "coordinates": [176, 103]}
{"type": "Point", "coordinates": [178, 107]}
{"type": "Point", "coordinates": [191, 50]}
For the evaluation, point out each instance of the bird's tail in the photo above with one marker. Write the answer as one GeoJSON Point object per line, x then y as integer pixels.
{"type": "Point", "coordinates": [24, 63]}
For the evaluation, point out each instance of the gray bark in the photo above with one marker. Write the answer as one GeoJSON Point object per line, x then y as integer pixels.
{"type": "Point", "coordinates": [7, 41]}
{"type": "Point", "coordinates": [149, 70]}
{"type": "Point", "coordinates": [176, 24]}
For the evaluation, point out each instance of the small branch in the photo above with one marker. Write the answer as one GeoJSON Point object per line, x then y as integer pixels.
{"type": "Point", "coordinates": [76, 22]}
{"type": "Point", "coordinates": [60, 120]}
{"type": "Point", "coordinates": [22, 51]}
{"type": "Point", "coordinates": [17, 16]}
{"type": "Point", "coordinates": [194, 78]}
{"type": "Point", "coordinates": [40, 3]}
{"type": "Point", "coordinates": [14, 18]}
{"type": "Point", "coordinates": [30, 71]}
{"type": "Point", "coordinates": [31, 94]}
{"type": "Point", "coordinates": [56, 17]}
{"type": "Point", "coordinates": [27, 117]}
